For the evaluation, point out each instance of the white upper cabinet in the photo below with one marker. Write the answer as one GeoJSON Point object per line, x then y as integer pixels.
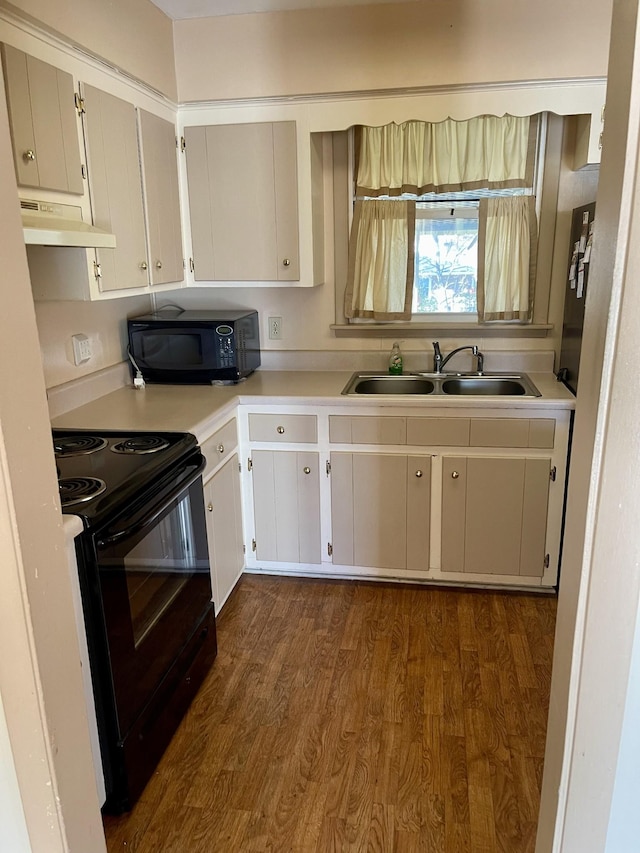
{"type": "Point", "coordinates": [243, 201]}
{"type": "Point", "coordinates": [43, 119]}
{"type": "Point", "coordinates": [162, 199]}
{"type": "Point", "coordinates": [116, 188]}
{"type": "Point", "coordinates": [133, 185]}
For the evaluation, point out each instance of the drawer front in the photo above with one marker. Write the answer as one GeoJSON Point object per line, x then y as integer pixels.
{"type": "Point", "coordinates": [542, 432]}
{"type": "Point", "coordinates": [284, 429]}
{"type": "Point", "coordinates": [512, 432]}
{"type": "Point", "coordinates": [447, 432]}
{"type": "Point", "coordinates": [499, 432]}
{"type": "Point", "coordinates": [220, 445]}
{"type": "Point", "coordinates": [344, 429]}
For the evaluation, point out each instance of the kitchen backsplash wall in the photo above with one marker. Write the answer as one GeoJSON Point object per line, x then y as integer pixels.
{"type": "Point", "coordinates": [104, 323]}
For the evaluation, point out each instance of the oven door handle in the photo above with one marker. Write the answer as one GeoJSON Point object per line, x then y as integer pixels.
{"type": "Point", "coordinates": [176, 487]}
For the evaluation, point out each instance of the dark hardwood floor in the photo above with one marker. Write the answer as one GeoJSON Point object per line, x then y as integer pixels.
{"type": "Point", "coordinates": [348, 716]}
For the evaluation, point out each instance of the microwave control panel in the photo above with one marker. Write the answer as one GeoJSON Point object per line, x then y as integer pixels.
{"type": "Point", "coordinates": [225, 346]}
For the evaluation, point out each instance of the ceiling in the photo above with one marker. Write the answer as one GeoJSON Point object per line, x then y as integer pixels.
{"type": "Point", "coordinates": [179, 9]}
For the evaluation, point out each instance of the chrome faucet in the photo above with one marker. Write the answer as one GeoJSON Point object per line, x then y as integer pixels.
{"type": "Point", "coordinates": [439, 362]}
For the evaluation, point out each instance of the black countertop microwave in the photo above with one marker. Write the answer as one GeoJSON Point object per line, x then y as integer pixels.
{"type": "Point", "coordinates": [194, 347]}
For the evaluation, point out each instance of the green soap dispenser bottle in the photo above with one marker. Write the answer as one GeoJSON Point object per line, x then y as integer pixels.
{"type": "Point", "coordinates": [395, 360]}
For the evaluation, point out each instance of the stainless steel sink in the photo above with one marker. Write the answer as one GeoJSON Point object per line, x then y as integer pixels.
{"type": "Point", "coordinates": [409, 384]}
{"type": "Point", "coordinates": [487, 386]}
{"type": "Point", "coordinates": [442, 384]}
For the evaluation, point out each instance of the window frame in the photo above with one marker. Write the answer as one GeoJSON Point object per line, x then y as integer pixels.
{"type": "Point", "coordinates": [549, 144]}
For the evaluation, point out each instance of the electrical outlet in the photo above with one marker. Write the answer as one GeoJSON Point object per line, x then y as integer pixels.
{"type": "Point", "coordinates": [82, 351]}
{"type": "Point", "coordinates": [275, 328]}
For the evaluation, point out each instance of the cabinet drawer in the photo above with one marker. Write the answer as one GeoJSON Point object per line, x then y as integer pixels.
{"type": "Point", "coordinates": [219, 446]}
{"type": "Point", "coordinates": [512, 432]}
{"type": "Point", "coordinates": [542, 432]}
{"type": "Point", "coordinates": [289, 429]}
{"type": "Point", "coordinates": [344, 429]}
{"type": "Point", "coordinates": [447, 432]}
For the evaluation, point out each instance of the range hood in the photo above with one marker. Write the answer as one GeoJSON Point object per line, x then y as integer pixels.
{"type": "Point", "coordinates": [52, 224]}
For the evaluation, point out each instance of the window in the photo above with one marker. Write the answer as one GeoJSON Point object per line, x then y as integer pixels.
{"type": "Point", "coordinates": [446, 259]}
{"type": "Point", "coordinates": [441, 226]}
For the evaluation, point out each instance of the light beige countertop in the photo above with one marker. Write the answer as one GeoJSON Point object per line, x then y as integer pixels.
{"type": "Point", "coordinates": [193, 408]}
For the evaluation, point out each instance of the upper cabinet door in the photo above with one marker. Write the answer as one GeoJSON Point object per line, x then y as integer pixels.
{"type": "Point", "coordinates": [243, 201]}
{"type": "Point", "coordinates": [115, 184]}
{"type": "Point", "coordinates": [43, 119]}
{"type": "Point", "coordinates": [160, 172]}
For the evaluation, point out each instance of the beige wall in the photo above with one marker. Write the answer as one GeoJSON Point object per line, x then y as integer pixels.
{"type": "Point", "coordinates": [359, 48]}
{"type": "Point", "coordinates": [133, 35]}
{"type": "Point", "coordinates": [104, 323]}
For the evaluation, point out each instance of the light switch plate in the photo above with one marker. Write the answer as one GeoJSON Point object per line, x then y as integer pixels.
{"type": "Point", "coordinates": [82, 351]}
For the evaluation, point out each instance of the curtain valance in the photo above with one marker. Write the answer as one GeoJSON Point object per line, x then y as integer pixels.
{"type": "Point", "coordinates": [488, 152]}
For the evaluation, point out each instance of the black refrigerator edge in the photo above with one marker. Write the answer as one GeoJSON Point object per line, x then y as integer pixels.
{"type": "Point", "coordinates": [582, 227]}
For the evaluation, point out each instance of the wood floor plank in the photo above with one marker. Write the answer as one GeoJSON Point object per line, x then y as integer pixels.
{"type": "Point", "coordinates": [354, 716]}
{"type": "Point", "coordinates": [380, 838]}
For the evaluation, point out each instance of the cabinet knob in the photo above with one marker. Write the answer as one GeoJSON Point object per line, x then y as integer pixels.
{"type": "Point", "coordinates": [280, 430]}
{"type": "Point", "coordinates": [286, 262]}
{"type": "Point", "coordinates": [418, 473]}
{"type": "Point", "coordinates": [454, 475]}
{"type": "Point", "coordinates": [221, 448]}
{"type": "Point", "coordinates": [210, 507]}
{"type": "Point", "coordinates": [29, 154]}
{"type": "Point", "coordinates": [158, 265]}
{"type": "Point", "coordinates": [143, 265]}
{"type": "Point", "coordinates": [306, 469]}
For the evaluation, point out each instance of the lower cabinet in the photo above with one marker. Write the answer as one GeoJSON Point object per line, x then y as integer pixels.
{"type": "Point", "coordinates": [224, 529]}
{"type": "Point", "coordinates": [286, 504]}
{"type": "Point", "coordinates": [380, 510]}
{"type": "Point", "coordinates": [494, 515]}
{"type": "Point", "coordinates": [474, 497]}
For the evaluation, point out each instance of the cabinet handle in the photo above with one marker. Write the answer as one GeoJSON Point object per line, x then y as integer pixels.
{"type": "Point", "coordinates": [306, 469]}
{"type": "Point", "coordinates": [29, 154]}
{"type": "Point", "coordinates": [286, 262]}
{"type": "Point", "coordinates": [143, 265]}
{"type": "Point", "coordinates": [210, 507]}
{"type": "Point", "coordinates": [280, 430]}
{"type": "Point", "coordinates": [158, 265]}
{"type": "Point", "coordinates": [418, 473]}
{"type": "Point", "coordinates": [221, 448]}
{"type": "Point", "coordinates": [454, 475]}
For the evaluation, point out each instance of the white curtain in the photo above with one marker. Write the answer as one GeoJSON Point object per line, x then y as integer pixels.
{"type": "Point", "coordinates": [417, 157]}
{"type": "Point", "coordinates": [381, 260]}
{"type": "Point", "coordinates": [506, 258]}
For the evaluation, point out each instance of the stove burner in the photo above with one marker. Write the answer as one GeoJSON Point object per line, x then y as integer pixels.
{"type": "Point", "coordinates": [141, 444]}
{"type": "Point", "coordinates": [75, 490]}
{"type": "Point", "coordinates": [78, 445]}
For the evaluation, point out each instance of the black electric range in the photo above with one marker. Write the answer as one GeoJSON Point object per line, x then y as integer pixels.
{"type": "Point", "coordinates": [99, 472]}
{"type": "Point", "coordinates": [145, 582]}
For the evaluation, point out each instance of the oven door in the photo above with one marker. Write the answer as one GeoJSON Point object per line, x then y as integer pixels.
{"type": "Point", "coordinates": [154, 587]}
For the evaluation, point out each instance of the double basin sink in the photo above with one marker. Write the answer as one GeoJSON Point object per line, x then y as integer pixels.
{"type": "Point", "coordinates": [423, 384]}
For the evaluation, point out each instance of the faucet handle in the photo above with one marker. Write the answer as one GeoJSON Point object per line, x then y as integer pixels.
{"type": "Point", "coordinates": [437, 357]}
